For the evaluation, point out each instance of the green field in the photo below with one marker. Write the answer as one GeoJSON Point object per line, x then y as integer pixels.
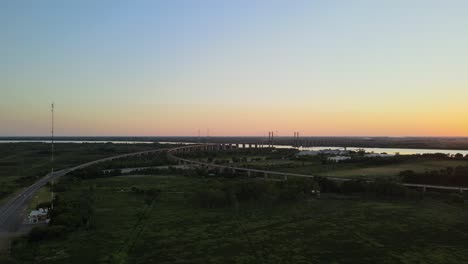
{"type": "Point", "coordinates": [352, 170]}
{"type": "Point", "coordinates": [21, 164]}
{"type": "Point", "coordinates": [332, 229]}
{"type": "Point", "coordinates": [42, 196]}
{"type": "Point", "coordinates": [394, 170]}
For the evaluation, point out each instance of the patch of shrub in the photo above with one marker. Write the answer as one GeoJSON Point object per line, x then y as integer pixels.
{"type": "Point", "coordinates": [455, 198]}
{"type": "Point", "coordinates": [46, 232]}
{"type": "Point", "coordinates": [231, 194]}
{"type": "Point", "coordinates": [44, 205]}
{"type": "Point", "coordinates": [353, 186]}
{"type": "Point", "coordinates": [386, 188]}
{"type": "Point", "coordinates": [327, 185]}
{"type": "Point", "coordinates": [211, 198]}
{"type": "Point", "coordinates": [7, 260]}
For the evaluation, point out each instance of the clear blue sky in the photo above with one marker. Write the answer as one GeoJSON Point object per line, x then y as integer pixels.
{"type": "Point", "coordinates": [236, 67]}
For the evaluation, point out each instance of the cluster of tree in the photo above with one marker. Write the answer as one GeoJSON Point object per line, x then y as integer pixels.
{"type": "Point", "coordinates": [223, 173]}
{"type": "Point", "coordinates": [376, 161]}
{"type": "Point", "coordinates": [240, 154]}
{"type": "Point", "coordinates": [150, 194]}
{"type": "Point", "coordinates": [107, 148]}
{"type": "Point", "coordinates": [359, 157]}
{"type": "Point", "coordinates": [94, 172]}
{"type": "Point", "coordinates": [6, 188]}
{"type": "Point", "coordinates": [457, 176]}
{"type": "Point", "coordinates": [63, 184]}
{"type": "Point", "coordinates": [232, 194]}
{"type": "Point", "coordinates": [46, 233]}
{"type": "Point", "coordinates": [31, 177]}
{"type": "Point", "coordinates": [455, 198]}
{"type": "Point", "coordinates": [158, 171]}
{"type": "Point", "coordinates": [240, 159]}
{"type": "Point", "coordinates": [146, 160]}
{"type": "Point", "coordinates": [71, 213]}
{"type": "Point", "coordinates": [4, 193]}
{"type": "Point", "coordinates": [381, 188]}
{"type": "Point", "coordinates": [7, 260]}
{"type": "Point", "coordinates": [8, 163]}
{"type": "Point", "coordinates": [66, 216]}
{"type": "Point", "coordinates": [219, 161]}
{"type": "Point", "coordinates": [460, 156]}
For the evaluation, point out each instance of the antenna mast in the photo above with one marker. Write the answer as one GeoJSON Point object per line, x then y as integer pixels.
{"type": "Point", "coordinates": [52, 157]}
{"type": "Point", "coordinates": [52, 138]}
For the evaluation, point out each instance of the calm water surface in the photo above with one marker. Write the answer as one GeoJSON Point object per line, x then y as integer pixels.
{"type": "Point", "coordinates": [402, 151]}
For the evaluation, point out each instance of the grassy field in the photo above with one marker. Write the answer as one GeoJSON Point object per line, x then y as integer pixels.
{"type": "Point", "coordinates": [23, 163]}
{"type": "Point", "coordinates": [394, 170]}
{"type": "Point", "coordinates": [333, 229]}
{"type": "Point", "coordinates": [352, 170]}
{"type": "Point", "coordinates": [285, 161]}
{"type": "Point", "coordinates": [42, 196]}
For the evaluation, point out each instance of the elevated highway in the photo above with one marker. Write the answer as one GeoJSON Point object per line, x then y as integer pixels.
{"type": "Point", "coordinates": [284, 175]}
{"type": "Point", "coordinates": [11, 213]}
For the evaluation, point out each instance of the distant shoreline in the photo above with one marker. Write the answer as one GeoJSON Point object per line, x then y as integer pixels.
{"type": "Point", "coordinates": [429, 143]}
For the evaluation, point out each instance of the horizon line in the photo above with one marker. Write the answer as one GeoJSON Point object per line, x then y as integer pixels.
{"type": "Point", "coordinates": [232, 136]}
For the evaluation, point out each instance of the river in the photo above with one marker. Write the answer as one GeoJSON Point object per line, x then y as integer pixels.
{"type": "Point", "coordinates": [401, 151]}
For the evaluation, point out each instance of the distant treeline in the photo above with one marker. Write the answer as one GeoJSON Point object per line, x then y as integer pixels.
{"type": "Point", "coordinates": [96, 172]}
{"type": "Point", "coordinates": [270, 153]}
{"type": "Point", "coordinates": [68, 215]}
{"type": "Point", "coordinates": [226, 193]}
{"type": "Point", "coordinates": [72, 212]}
{"type": "Point", "coordinates": [457, 176]}
{"type": "Point", "coordinates": [146, 160]}
{"type": "Point", "coordinates": [361, 159]}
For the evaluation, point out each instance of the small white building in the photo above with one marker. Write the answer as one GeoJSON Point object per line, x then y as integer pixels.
{"type": "Point", "coordinates": [339, 158]}
{"type": "Point", "coordinates": [38, 216]}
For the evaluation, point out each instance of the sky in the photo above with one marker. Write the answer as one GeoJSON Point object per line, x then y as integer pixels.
{"type": "Point", "coordinates": [237, 68]}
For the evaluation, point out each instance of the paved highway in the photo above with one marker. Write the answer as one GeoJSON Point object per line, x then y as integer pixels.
{"type": "Point", "coordinates": [12, 212]}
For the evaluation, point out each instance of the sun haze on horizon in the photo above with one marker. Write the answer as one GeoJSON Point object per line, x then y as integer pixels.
{"type": "Point", "coordinates": [149, 68]}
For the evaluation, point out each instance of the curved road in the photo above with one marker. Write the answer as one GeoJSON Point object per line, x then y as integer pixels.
{"type": "Point", "coordinates": [11, 212]}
